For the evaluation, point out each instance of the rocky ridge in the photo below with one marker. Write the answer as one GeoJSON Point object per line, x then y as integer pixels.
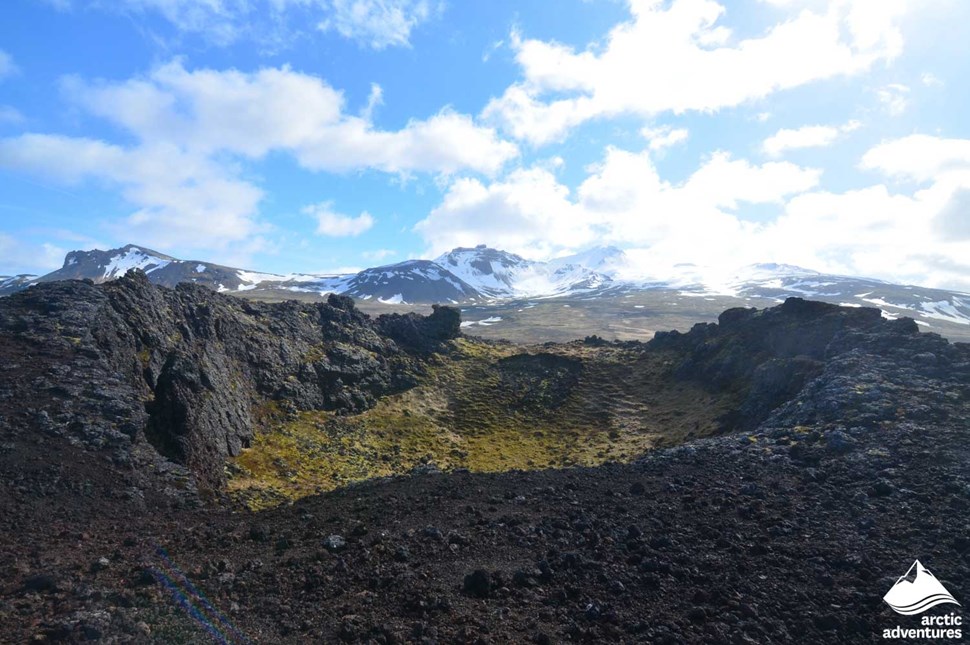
{"type": "Point", "coordinates": [188, 369]}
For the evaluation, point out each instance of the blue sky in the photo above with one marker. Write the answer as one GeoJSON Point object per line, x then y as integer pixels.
{"type": "Point", "coordinates": [326, 135]}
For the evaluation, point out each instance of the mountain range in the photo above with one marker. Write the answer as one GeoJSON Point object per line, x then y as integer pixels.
{"type": "Point", "coordinates": [480, 277]}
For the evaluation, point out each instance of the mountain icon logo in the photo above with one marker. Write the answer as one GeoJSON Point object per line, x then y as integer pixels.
{"type": "Point", "coordinates": [917, 591]}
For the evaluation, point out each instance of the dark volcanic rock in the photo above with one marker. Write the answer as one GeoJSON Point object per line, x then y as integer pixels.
{"type": "Point", "coordinates": [789, 531]}
{"type": "Point", "coordinates": [478, 584]}
{"type": "Point", "coordinates": [773, 356]}
{"type": "Point", "coordinates": [190, 370]}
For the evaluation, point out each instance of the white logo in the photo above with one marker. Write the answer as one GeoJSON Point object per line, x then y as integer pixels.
{"type": "Point", "coordinates": [917, 593]}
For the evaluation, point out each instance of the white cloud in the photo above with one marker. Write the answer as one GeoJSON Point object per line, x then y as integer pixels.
{"type": "Point", "coordinates": [7, 66]}
{"type": "Point", "coordinates": [919, 157]}
{"type": "Point", "coordinates": [623, 200]}
{"type": "Point", "coordinates": [377, 23]}
{"type": "Point", "coordinates": [374, 23]}
{"type": "Point", "coordinates": [334, 224]}
{"type": "Point", "coordinates": [21, 256]}
{"type": "Point", "coordinates": [254, 113]}
{"type": "Point", "coordinates": [181, 198]}
{"type": "Point", "coordinates": [378, 254]}
{"type": "Point", "coordinates": [528, 212]}
{"type": "Point", "coordinates": [809, 136]}
{"type": "Point", "coordinates": [908, 238]}
{"type": "Point", "coordinates": [912, 236]}
{"type": "Point", "coordinates": [930, 79]}
{"type": "Point", "coordinates": [676, 58]}
{"type": "Point", "coordinates": [374, 100]}
{"type": "Point", "coordinates": [192, 128]}
{"type": "Point", "coordinates": [664, 137]}
{"type": "Point", "coordinates": [894, 97]}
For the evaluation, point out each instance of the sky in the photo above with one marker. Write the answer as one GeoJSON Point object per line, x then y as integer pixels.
{"type": "Point", "coordinates": [331, 135]}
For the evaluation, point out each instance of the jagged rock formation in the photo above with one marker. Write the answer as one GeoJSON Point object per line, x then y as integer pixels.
{"type": "Point", "coordinates": [807, 362]}
{"type": "Point", "coordinates": [189, 369]}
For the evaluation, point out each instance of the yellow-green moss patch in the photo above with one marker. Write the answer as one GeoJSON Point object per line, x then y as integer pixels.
{"type": "Point", "coordinates": [464, 415]}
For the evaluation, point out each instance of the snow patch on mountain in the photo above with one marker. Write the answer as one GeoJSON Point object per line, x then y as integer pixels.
{"type": "Point", "coordinates": [485, 322]}
{"type": "Point", "coordinates": [945, 310]}
{"type": "Point", "coordinates": [132, 258]}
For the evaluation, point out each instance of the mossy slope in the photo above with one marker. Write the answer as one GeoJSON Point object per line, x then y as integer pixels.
{"type": "Point", "coordinates": [486, 407]}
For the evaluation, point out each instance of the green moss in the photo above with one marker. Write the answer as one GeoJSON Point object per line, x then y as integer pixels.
{"type": "Point", "coordinates": [316, 353]}
{"type": "Point", "coordinates": [462, 415]}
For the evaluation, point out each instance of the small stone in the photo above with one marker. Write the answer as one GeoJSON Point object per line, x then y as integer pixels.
{"type": "Point", "coordinates": [40, 582]}
{"type": "Point", "coordinates": [882, 488]}
{"type": "Point", "coordinates": [478, 584]}
{"type": "Point", "coordinates": [433, 533]}
{"type": "Point", "coordinates": [839, 442]}
{"type": "Point", "coordinates": [523, 578]}
{"type": "Point", "coordinates": [335, 543]}
{"type": "Point", "coordinates": [637, 489]}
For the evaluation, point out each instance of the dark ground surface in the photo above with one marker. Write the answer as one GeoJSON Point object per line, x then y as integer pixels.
{"type": "Point", "coordinates": [849, 459]}
{"type": "Point", "coordinates": [728, 540]}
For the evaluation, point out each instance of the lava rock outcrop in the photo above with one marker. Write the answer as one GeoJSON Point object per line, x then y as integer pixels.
{"type": "Point", "coordinates": [191, 370]}
{"type": "Point", "coordinates": [796, 362]}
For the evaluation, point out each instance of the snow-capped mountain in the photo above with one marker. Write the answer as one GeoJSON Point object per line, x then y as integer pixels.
{"type": "Point", "coordinates": [409, 282]}
{"type": "Point", "coordinates": [13, 283]}
{"type": "Point", "coordinates": [483, 277]}
{"type": "Point", "coordinates": [490, 272]}
{"type": "Point", "coordinates": [604, 260]}
{"type": "Point", "coordinates": [101, 266]}
{"type": "Point", "coordinates": [499, 274]}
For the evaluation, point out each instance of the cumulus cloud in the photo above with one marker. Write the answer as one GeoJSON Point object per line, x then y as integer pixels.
{"type": "Point", "coordinates": [334, 224]}
{"type": "Point", "coordinates": [919, 157]}
{"type": "Point", "coordinates": [622, 200]}
{"type": "Point", "coordinates": [677, 58]}
{"type": "Point", "coordinates": [916, 235]}
{"type": "Point", "coordinates": [181, 198]}
{"type": "Point", "coordinates": [19, 256]}
{"type": "Point", "coordinates": [527, 212]}
{"type": "Point", "coordinates": [809, 136]}
{"type": "Point", "coordinates": [953, 220]}
{"type": "Point", "coordinates": [192, 127]}
{"type": "Point", "coordinates": [270, 109]}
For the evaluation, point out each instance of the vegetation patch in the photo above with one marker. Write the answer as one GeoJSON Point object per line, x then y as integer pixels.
{"type": "Point", "coordinates": [486, 407]}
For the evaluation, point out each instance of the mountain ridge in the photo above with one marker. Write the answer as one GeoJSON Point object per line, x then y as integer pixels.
{"type": "Point", "coordinates": [482, 276]}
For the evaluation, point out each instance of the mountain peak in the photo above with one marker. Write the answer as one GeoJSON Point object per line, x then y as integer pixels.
{"type": "Point", "coordinates": [491, 272]}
